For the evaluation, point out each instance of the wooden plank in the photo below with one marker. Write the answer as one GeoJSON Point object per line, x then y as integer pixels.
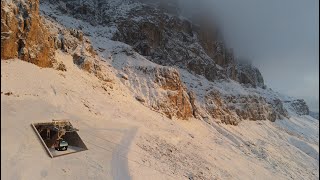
{"type": "Point", "coordinates": [44, 144]}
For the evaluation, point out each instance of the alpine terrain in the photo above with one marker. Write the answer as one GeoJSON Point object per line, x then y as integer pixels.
{"type": "Point", "coordinates": [155, 95]}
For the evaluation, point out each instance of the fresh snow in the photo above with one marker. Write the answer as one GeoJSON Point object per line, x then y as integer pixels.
{"type": "Point", "coordinates": [127, 140]}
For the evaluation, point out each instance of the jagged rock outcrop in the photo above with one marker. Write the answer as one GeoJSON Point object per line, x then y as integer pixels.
{"type": "Point", "coordinates": [73, 42]}
{"type": "Point", "coordinates": [86, 60]}
{"type": "Point", "coordinates": [23, 35]}
{"type": "Point", "coordinates": [173, 99]}
{"type": "Point", "coordinates": [218, 109]}
{"type": "Point", "coordinates": [278, 109]}
{"type": "Point", "coordinates": [157, 87]}
{"type": "Point", "coordinates": [169, 80]}
{"type": "Point", "coordinates": [172, 41]}
{"type": "Point", "coordinates": [231, 109]}
{"type": "Point", "coordinates": [195, 109]}
{"type": "Point", "coordinates": [299, 106]}
{"type": "Point", "coordinates": [248, 74]}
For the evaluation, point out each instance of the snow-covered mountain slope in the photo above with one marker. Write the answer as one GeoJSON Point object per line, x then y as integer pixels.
{"type": "Point", "coordinates": [128, 84]}
{"type": "Point", "coordinates": [230, 109]}
{"type": "Point", "coordinates": [126, 140]}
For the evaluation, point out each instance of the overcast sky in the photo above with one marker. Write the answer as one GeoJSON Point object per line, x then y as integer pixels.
{"type": "Point", "coordinates": [280, 36]}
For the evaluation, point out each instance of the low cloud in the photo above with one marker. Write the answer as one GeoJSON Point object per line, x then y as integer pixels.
{"type": "Point", "coordinates": [280, 37]}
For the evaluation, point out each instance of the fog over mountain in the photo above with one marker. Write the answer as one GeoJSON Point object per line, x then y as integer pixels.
{"type": "Point", "coordinates": [162, 92]}
{"type": "Point", "coordinates": [280, 37]}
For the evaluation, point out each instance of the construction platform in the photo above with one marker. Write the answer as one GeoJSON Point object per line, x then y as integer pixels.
{"type": "Point", "coordinates": [51, 132]}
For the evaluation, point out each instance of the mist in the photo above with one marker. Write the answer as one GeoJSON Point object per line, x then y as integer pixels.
{"type": "Point", "coordinates": [280, 37]}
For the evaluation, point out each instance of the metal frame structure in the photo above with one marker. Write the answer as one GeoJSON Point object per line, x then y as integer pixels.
{"type": "Point", "coordinates": [61, 127]}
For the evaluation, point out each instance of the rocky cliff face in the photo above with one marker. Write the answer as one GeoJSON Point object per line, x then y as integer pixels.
{"type": "Point", "coordinates": [168, 40]}
{"type": "Point", "coordinates": [171, 41]}
{"type": "Point", "coordinates": [169, 63]}
{"type": "Point", "coordinates": [164, 38]}
{"type": "Point", "coordinates": [231, 109]}
{"type": "Point", "coordinates": [299, 106]}
{"type": "Point", "coordinates": [177, 102]}
{"type": "Point", "coordinates": [23, 35]}
{"type": "Point", "coordinates": [158, 87]}
{"type": "Point", "coordinates": [248, 74]}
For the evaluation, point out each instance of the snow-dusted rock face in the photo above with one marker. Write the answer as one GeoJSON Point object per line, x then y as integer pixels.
{"type": "Point", "coordinates": [168, 40]}
{"type": "Point", "coordinates": [170, 64]}
{"type": "Point", "coordinates": [104, 85]}
{"type": "Point", "coordinates": [23, 35]}
{"type": "Point", "coordinates": [299, 106]}
{"type": "Point", "coordinates": [231, 109]}
{"type": "Point", "coordinates": [177, 101]}
{"type": "Point", "coordinates": [158, 87]}
{"type": "Point", "coordinates": [163, 38]}
{"type": "Point", "coordinates": [230, 102]}
{"type": "Point", "coordinates": [171, 41]}
{"type": "Point", "coordinates": [248, 74]}
{"type": "Point", "coordinates": [73, 42]}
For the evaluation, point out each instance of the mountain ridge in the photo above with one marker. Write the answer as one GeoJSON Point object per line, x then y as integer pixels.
{"type": "Point", "coordinates": [141, 119]}
{"type": "Point", "coordinates": [167, 40]}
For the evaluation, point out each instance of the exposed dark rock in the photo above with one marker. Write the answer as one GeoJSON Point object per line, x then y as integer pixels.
{"type": "Point", "coordinates": [61, 67]}
{"type": "Point", "coordinates": [300, 107]}
{"type": "Point", "coordinates": [140, 99]}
